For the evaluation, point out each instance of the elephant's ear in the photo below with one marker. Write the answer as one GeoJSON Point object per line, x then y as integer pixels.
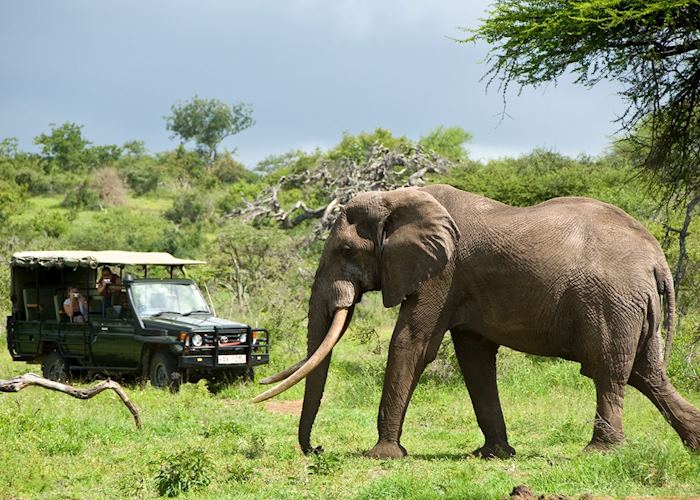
{"type": "Point", "coordinates": [417, 239]}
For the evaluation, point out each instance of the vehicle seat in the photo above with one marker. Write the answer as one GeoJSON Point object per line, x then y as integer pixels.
{"type": "Point", "coordinates": [58, 308]}
{"type": "Point", "coordinates": [32, 308]}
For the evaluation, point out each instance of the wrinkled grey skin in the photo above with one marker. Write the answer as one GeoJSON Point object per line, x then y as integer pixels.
{"type": "Point", "coordinates": [572, 277]}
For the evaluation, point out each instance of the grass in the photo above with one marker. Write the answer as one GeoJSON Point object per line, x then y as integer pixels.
{"type": "Point", "coordinates": [58, 447]}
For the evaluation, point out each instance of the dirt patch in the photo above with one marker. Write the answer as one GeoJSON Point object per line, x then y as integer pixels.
{"type": "Point", "coordinates": [285, 407]}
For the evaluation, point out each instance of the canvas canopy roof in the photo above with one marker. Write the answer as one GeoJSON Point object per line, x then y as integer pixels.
{"type": "Point", "coordinates": [87, 258]}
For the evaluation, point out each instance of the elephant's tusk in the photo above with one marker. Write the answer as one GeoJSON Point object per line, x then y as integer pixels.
{"type": "Point", "coordinates": [283, 374]}
{"type": "Point", "coordinates": [332, 337]}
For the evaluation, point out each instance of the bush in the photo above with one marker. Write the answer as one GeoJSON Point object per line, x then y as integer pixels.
{"type": "Point", "coordinates": [83, 197]}
{"type": "Point", "coordinates": [227, 170]}
{"type": "Point", "coordinates": [189, 470]}
{"type": "Point", "coordinates": [50, 223]}
{"type": "Point", "coordinates": [189, 208]}
{"type": "Point", "coordinates": [237, 194]}
{"type": "Point", "coordinates": [109, 186]}
{"type": "Point", "coordinates": [142, 180]}
{"type": "Point", "coordinates": [120, 228]}
{"type": "Point", "coordinates": [11, 198]}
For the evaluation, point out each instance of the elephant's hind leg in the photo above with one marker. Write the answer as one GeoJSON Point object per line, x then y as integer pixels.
{"type": "Point", "coordinates": [649, 377]}
{"type": "Point", "coordinates": [608, 361]}
{"type": "Point", "coordinates": [477, 360]}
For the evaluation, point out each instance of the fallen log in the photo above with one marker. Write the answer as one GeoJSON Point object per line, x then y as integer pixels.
{"type": "Point", "coordinates": [18, 383]}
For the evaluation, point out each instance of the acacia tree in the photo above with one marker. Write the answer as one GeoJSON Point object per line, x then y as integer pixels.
{"type": "Point", "coordinates": [207, 122]}
{"type": "Point", "coordinates": [651, 47]}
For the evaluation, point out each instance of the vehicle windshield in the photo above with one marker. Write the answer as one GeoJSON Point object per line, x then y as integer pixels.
{"type": "Point", "coordinates": [154, 299]}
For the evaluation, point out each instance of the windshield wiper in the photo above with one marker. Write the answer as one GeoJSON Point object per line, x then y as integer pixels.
{"type": "Point", "coordinates": [164, 312]}
{"type": "Point", "coordinates": [195, 311]}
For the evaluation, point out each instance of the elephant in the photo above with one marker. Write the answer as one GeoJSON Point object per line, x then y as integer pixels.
{"type": "Point", "coordinates": [571, 277]}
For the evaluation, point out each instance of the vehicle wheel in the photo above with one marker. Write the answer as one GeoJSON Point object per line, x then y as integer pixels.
{"type": "Point", "coordinates": [163, 366]}
{"type": "Point", "coordinates": [55, 367]}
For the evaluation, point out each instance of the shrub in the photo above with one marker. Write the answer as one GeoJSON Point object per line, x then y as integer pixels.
{"type": "Point", "coordinates": [120, 228]}
{"type": "Point", "coordinates": [50, 223]}
{"type": "Point", "coordinates": [227, 170]}
{"type": "Point", "coordinates": [189, 208]}
{"type": "Point", "coordinates": [11, 198]}
{"type": "Point", "coordinates": [83, 197]}
{"type": "Point", "coordinates": [324, 464]}
{"type": "Point", "coordinates": [189, 470]}
{"type": "Point", "coordinates": [109, 185]}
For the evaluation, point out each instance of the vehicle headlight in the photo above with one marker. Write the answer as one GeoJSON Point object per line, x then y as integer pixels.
{"type": "Point", "coordinates": [243, 338]}
{"type": "Point", "coordinates": [197, 340]}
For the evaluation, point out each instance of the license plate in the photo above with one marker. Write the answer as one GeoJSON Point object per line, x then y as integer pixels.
{"type": "Point", "coordinates": [231, 359]}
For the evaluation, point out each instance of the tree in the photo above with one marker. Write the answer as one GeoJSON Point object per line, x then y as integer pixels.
{"type": "Point", "coordinates": [651, 47]}
{"type": "Point", "coordinates": [64, 147]}
{"type": "Point", "coordinates": [207, 122]}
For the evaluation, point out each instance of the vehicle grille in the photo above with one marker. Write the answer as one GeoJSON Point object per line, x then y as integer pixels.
{"type": "Point", "coordinates": [228, 337]}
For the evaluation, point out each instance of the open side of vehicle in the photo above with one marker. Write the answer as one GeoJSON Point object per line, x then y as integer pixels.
{"type": "Point", "coordinates": [160, 328]}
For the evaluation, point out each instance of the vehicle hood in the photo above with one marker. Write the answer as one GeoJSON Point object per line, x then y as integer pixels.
{"type": "Point", "coordinates": [191, 323]}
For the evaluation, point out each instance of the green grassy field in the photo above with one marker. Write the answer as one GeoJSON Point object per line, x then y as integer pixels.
{"type": "Point", "coordinates": [55, 446]}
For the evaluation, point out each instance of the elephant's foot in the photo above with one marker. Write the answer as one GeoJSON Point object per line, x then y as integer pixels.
{"type": "Point", "coordinates": [387, 449]}
{"type": "Point", "coordinates": [312, 450]}
{"type": "Point", "coordinates": [605, 437]}
{"type": "Point", "coordinates": [601, 445]}
{"type": "Point", "coordinates": [500, 450]}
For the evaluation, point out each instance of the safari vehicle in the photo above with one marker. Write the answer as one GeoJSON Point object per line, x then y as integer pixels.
{"type": "Point", "coordinates": [160, 328]}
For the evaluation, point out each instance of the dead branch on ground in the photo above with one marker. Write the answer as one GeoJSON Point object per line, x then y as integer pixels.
{"type": "Point", "coordinates": [18, 383]}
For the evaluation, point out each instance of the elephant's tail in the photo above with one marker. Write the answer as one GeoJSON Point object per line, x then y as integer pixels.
{"type": "Point", "coordinates": [664, 284]}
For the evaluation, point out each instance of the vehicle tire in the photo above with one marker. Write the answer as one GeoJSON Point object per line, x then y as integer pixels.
{"type": "Point", "coordinates": [55, 367]}
{"type": "Point", "coordinates": [163, 366]}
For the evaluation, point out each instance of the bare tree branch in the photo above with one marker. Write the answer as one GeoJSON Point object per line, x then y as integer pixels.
{"type": "Point", "coordinates": [18, 383]}
{"type": "Point", "coordinates": [383, 170]}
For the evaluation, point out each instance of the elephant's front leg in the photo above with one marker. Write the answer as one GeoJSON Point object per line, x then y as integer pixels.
{"type": "Point", "coordinates": [477, 360]}
{"type": "Point", "coordinates": [414, 344]}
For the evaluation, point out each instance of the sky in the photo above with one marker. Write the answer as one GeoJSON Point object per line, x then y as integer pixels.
{"type": "Point", "coordinates": [311, 69]}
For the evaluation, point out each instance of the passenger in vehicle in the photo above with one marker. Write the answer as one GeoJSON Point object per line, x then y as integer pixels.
{"type": "Point", "coordinates": [108, 285]}
{"type": "Point", "coordinates": [75, 306]}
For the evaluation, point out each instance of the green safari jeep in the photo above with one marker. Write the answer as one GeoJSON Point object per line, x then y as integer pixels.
{"type": "Point", "coordinates": [160, 328]}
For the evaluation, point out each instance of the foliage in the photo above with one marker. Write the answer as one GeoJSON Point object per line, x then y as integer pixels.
{"type": "Point", "coordinates": [448, 142]}
{"type": "Point", "coordinates": [123, 229]}
{"type": "Point", "coordinates": [246, 258]}
{"type": "Point", "coordinates": [64, 148]}
{"type": "Point", "coordinates": [236, 194]}
{"type": "Point", "coordinates": [324, 464]}
{"type": "Point", "coordinates": [534, 177]}
{"type": "Point", "coordinates": [11, 198]}
{"type": "Point", "coordinates": [189, 207]}
{"type": "Point", "coordinates": [50, 223]}
{"type": "Point", "coordinates": [82, 197]}
{"type": "Point", "coordinates": [181, 168]}
{"type": "Point", "coordinates": [188, 470]}
{"type": "Point", "coordinates": [141, 170]}
{"type": "Point", "coordinates": [653, 48]}
{"type": "Point", "coordinates": [357, 148]}
{"type": "Point", "coordinates": [228, 171]}
{"type": "Point", "coordinates": [207, 122]}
